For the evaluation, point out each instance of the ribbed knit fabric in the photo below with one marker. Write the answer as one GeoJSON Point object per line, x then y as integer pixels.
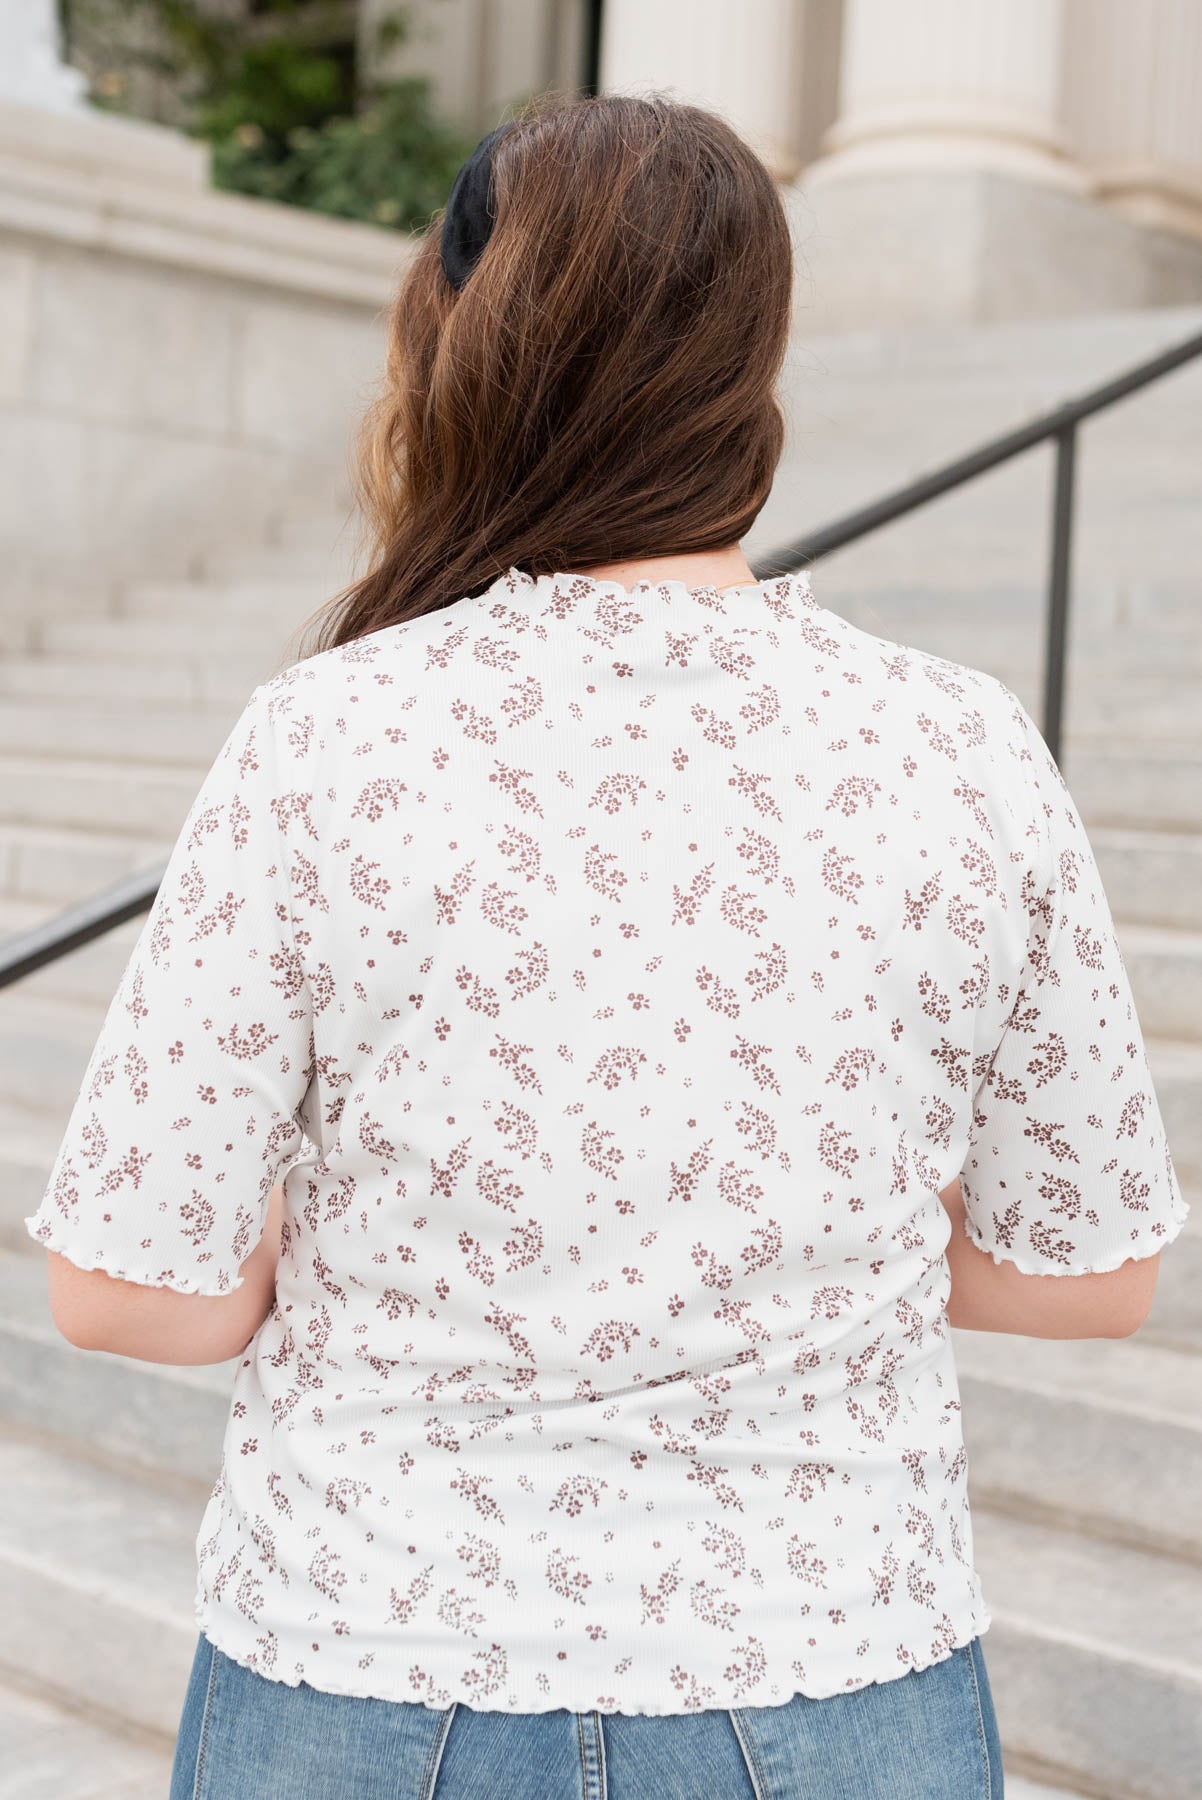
{"type": "Point", "coordinates": [614, 979]}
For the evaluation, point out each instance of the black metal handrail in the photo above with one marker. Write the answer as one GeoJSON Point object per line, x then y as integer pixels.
{"type": "Point", "coordinates": [1059, 425]}
{"type": "Point", "coordinates": [91, 918]}
{"type": "Point", "coordinates": [79, 924]}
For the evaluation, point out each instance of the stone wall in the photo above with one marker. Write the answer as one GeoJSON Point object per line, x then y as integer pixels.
{"type": "Point", "coordinates": [175, 364]}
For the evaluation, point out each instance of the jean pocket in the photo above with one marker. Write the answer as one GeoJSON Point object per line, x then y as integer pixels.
{"type": "Point", "coordinates": [926, 1734]}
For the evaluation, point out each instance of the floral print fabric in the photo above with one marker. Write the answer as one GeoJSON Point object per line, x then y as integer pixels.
{"type": "Point", "coordinates": [613, 979]}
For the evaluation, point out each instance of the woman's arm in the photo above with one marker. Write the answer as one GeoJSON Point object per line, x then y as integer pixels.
{"type": "Point", "coordinates": [996, 1296]}
{"type": "Point", "coordinates": [156, 1324]}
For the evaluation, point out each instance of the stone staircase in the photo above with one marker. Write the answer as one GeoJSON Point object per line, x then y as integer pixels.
{"type": "Point", "coordinates": [1085, 1458]}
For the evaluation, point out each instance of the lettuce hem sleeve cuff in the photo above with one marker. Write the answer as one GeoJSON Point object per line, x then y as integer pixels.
{"type": "Point", "coordinates": [1149, 1244]}
{"type": "Point", "coordinates": [90, 1259]}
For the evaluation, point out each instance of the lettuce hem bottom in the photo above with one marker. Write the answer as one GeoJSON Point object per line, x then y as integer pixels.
{"type": "Point", "coordinates": [368, 1689]}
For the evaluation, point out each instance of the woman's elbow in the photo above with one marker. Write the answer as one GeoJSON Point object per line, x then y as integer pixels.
{"type": "Point", "coordinates": [96, 1311]}
{"type": "Point", "coordinates": [77, 1303]}
{"type": "Point", "coordinates": [1128, 1295]}
{"type": "Point", "coordinates": [78, 1331]}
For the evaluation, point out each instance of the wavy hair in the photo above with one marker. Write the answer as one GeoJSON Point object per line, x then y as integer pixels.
{"type": "Point", "coordinates": [603, 385]}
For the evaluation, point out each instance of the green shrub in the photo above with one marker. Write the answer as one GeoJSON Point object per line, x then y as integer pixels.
{"type": "Point", "coordinates": [391, 164]}
{"type": "Point", "coordinates": [280, 100]}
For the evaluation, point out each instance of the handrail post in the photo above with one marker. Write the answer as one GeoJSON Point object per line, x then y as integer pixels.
{"type": "Point", "coordinates": [1058, 592]}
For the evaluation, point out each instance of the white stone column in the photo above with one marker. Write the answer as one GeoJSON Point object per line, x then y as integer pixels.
{"type": "Point", "coordinates": [1133, 100]}
{"type": "Point", "coordinates": [950, 187]}
{"type": "Point", "coordinates": [742, 60]}
{"type": "Point", "coordinates": [951, 84]}
{"type": "Point", "coordinates": [481, 57]}
{"type": "Point", "coordinates": [31, 70]}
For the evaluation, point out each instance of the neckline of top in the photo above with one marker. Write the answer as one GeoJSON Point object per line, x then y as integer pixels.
{"type": "Point", "coordinates": [794, 584]}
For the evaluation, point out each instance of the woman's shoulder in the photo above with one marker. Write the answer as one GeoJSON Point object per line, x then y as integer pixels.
{"type": "Point", "coordinates": [975, 709]}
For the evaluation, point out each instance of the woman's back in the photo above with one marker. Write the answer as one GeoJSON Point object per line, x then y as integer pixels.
{"type": "Point", "coordinates": [638, 966]}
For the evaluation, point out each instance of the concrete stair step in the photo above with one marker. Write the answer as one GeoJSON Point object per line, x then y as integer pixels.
{"type": "Point", "coordinates": [1165, 968]}
{"type": "Point", "coordinates": [55, 1753]}
{"type": "Point", "coordinates": [154, 735]}
{"type": "Point", "coordinates": [331, 519]}
{"type": "Point", "coordinates": [967, 630]}
{"type": "Point", "coordinates": [1152, 710]}
{"type": "Point", "coordinates": [152, 1415]}
{"type": "Point", "coordinates": [1175, 1321]}
{"type": "Point", "coordinates": [268, 599]}
{"type": "Point", "coordinates": [145, 801]}
{"type": "Point", "coordinates": [1151, 877]}
{"type": "Point", "coordinates": [1017, 1788]}
{"type": "Point", "coordinates": [222, 681]}
{"type": "Point", "coordinates": [28, 1146]}
{"type": "Point", "coordinates": [1133, 516]}
{"type": "Point", "coordinates": [45, 1043]}
{"type": "Point", "coordinates": [1177, 1078]}
{"type": "Point", "coordinates": [1167, 604]}
{"type": "Point", "coordinates": [155, 640]}
{"type": "Point", "coordinates": [333, 555]}
{"type": "Point", "coordinates": [1069, 1430]}
{"type": "Point", "coordinates": [97, 1576]}
{"type": "Point", "coordinates": [1149, 710]}
{"type": "Point", "coordinates": [44, 868]}
{"type": "Point", "coordinates": [19, 620]}
{"type": "Point", "coordinates": [995, 546]}
{"type": "Point", "coordinates": [1095, 1658]}
{"type": "Point", "coordinates": [893, 405]}
{"type": "Point", "coordinates": [311, 547]}
{"type": "Point", "coordinates": [1153, 787]}
{"type": "Point", "coordinates": [965, 603]}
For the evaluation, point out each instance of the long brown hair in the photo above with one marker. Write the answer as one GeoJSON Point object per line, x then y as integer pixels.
{"type": "Point", "coordinates": [603, 385]}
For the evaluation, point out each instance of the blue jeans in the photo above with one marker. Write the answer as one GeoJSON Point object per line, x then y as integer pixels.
{"type": "Point", "coordinates": [930, 1734]}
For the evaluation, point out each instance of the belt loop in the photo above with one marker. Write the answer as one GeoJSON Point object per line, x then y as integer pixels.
{"type": "Point", "coordinates": [592, 1755]}
{"type": "Point", "coordinates": [438, 1743]}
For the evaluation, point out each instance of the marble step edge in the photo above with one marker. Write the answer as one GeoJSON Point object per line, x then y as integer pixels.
{"type": "Point", "coordinates": [1130, 1377]}
{"type": "Point", "coordinates": [93, 1555]}
{"type": "Point", "coordinates": [164, 1419]}
{"type": "Point", "coordinates": [74, 1753]}
{"type": "Point", "coordinates": [1094, 1654]}
{"type": "Point", "coordinates": [1066, 1431]}
{"type": "Point", "coordinates": [60, 680]}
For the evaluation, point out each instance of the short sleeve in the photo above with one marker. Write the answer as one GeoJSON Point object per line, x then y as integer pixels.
{"type": "Point", "coordinates": [1068, 1169]}
{"type": "Point", "coordinates": [188, 1107]}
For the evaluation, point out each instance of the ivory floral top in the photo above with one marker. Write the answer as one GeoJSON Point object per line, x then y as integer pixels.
{"type": "Point", "coordinates": [613, 979]}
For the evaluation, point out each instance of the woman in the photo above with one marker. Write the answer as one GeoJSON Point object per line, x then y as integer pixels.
{"type": "Point", "coordinates": [603, 1018]}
